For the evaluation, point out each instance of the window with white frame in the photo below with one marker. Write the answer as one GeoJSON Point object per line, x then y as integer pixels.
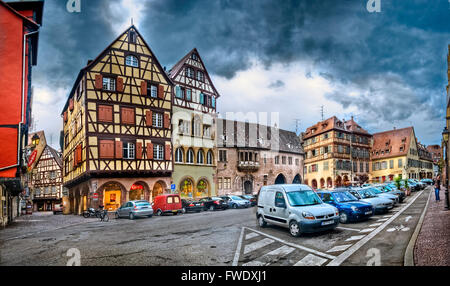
{"type": "Point", "coordinates": [153, 90]}
{"type": "Point", "coordinates": [157, 120]}
{"type": "Point", "coordinates": [196, 126]}
{"type": "Point", "coordinates": [200, 76]}
{"type": "Point", "coordinates": [200, 157]}
{"type": "Point", "coordinates": [190, 72]}
{"type": "Point", "coordinates": [209, 158]}
{"type": "Point", "coordinates": [128, 150]}
{"type": "Point", "coordinates": [179, 155]}
{"type": "Point", "coordinates": [207, 131]}
{"type": "Point", "coordinates": [109, 84]}
{"type": "Point", "coordinates": [158, 152]}
{"type": "Point", "coordinates": [190, 156]}
{"type": "Point", "coordinates": [131, 61]}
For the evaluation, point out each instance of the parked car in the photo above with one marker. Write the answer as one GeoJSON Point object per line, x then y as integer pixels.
{"type": "Point", "coordinates": [133, 209]}
{"type": "Point", "coordinates": [58, 209]}
{"type": "Point", "coordinates": [250, 198]}
{"type": "Point", "coordinates": [380, 205]}
{"type": "Point", "coordinates": [214, 203]}
{"type": "Point", "coordinates": [296, 207]}
{"type": "Point", "coordinates": [380, 193]}
{"type": "Point", "coordinates": [168, 203]}
{"type": "Point", "coordinates": [350, 209]}
{"type": "Point", "coordinates": [236, 202]}
{"type": "Point", "coordinates": [392, 189]}
{"type": "Point", "coordinates": [191, 206]}
{"type": "Point", "coordinates": [427, 181]}
{"type": "Point", "coordinates": [413, 185]}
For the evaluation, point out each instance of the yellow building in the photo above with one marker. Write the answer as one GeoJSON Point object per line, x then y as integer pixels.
{"type": "Point", "coordinates": [337, 154]}
{"type": "Point", "coordinates": [397, 153]}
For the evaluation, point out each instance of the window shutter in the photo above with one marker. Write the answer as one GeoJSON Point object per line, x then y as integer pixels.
{"type": "Point", "coordinates": [213, 102]}
{"type": "Point", "coordinates": [149, 118]}
{"type": "Point", "coordinates": [150, 151]}
{"type": "Point", "coordinates": [143, 87]}
{"type": "Point", "coordinates": [119, 151]}
{"type": "Point", "coordinates": [161, 91]}
{"type": "Point", "coordinates": [120, 84]}
{"type": "Point", "coordinates": [74, 160]}
{"type": "Point", "coordinates": [98, 81]}
{"type": "Point", "coordinates": [167, 153]}
{"type": "Point", "coordinates": [65, 116]}
{"type": "Point", "coordinates": [138, 150]}
{"type": "Point", "coordinates": [78, 154]}
{"type": "Point", "coordinates": [166, 121]}
{"type": "Point", "coordinates": [71, 104]}
{"type": "Point", "coordinates": [202, 98]}
{"type": "Point", "coordinates": [178, 91]}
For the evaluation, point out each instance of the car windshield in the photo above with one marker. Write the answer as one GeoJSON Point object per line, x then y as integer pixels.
{"type": "Point", "coordinates": [365, 194]}
{"type": "Point", "coordinates": [141, 204]}
{"type": "Point", "coordinates": [236, 198]}
{"type": "Point", "coordinates": [303, 198]}
{"type": "Point", "coordinates": [216, 199]}
{"type": "Point", "coordinates": [342, 197]}
{"type": "Point", "coordinates": [375, 190]}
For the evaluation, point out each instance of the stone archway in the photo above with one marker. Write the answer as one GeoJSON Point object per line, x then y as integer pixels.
{"type": "Point", "coordinates": [281, 179]}
{"type": "Point", "coordinates": [329, 183]}
{"type": "Point", "coordinates": [338, 181]}
{"type": "Point", "coordinates": [297, 179]}
{"type": "Point", "coordinates": [113, 195]}
{"type": "Point", "coordinates": [322, 183]}
{"type": "Point", "coordinates": [158, 189]}
{"type": "Point", "coordinates": [248, 187]}
{"type": "Point", "coordinates": [202, 188]}
{"type": "Point", "coordinates": [187, 187]}
{"type": "Point", "coordinates": [314, 184]}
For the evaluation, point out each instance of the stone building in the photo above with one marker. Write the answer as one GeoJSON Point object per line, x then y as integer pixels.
{"type": "Point", "coordinates": [436, 155]}
{"type": "Point", "coordinates": [337, 153]}
{"type": "Point", "coordinates": [252, 155]}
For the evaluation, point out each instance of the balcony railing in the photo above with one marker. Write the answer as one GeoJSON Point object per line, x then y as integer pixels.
{"type": "Point", "coordinates": [248, 166]}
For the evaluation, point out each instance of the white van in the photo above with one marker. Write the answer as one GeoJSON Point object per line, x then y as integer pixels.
{"type": "Point", "coordinates": [296, 207]}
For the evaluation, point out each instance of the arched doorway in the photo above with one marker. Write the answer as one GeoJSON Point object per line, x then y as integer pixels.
{"type": "Point", "coordinates": [136, 192]}
{"type": "Point", "coordinates": [158, 189]}
{"type": "Point", "coordinates": [346, 180]}
{"type": "Point", "coordinates": [314, 184]}
{"type": "Point", "coordinates": [338, 181]}
{"type": "Point", "coordinates": [202, 188]}
{"type": "Point", "coordinates": [297, 179]}
{"type": "Point", "coordinates": [187, 188]}
{"type": "Point", "coordinates": [329, 183]}
{"type": "Point", "coordinates": [322, 183]}
{"type": "Point", "coordinates": [112, 196]}
{"type": "Point", "coordinates": [280, 179]}
{"type": "Point", "coordinates": [248, 187]}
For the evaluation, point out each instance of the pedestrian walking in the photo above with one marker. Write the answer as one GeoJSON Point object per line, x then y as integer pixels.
{"type": "Point", "coordinates": [437, 187]}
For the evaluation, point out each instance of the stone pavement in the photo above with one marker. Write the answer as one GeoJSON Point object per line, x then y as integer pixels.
{"type": "Point", "coordinates": [39, 222]}
{"type": "Point", "coordinates": [433, 243]}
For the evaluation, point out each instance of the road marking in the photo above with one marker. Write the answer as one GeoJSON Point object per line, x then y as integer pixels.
{"type": "Point", "coordinates": [408, 218]}
{"type": "Point", "coordinates": [251, 235]}
{"type": "Point", "coordinates": [294, 245]}
{"type": "Point", "coordinates": [367, 230]}
{"type": "Point", "coordinates": [257, 245]}
{"type": "Point", "coordinates": [387, 215]}
{"type": "Point", "coordinates": [383, 219]}
{"type": "Point", "coordinates": [311, 260]}
{"type": "Point", "coordinates": [376, 224]}
{"type": "Point", "coordinates": [346, 254]}
{"type": "Point", "coordinates": [339, 248]}
{"type": "Point", "coordinates": [347, 228]}
{"type": "Point", "coordinates": [398, 228]}
{"type": "Point", "coordinates": [355, 237]}
{"type": "Point", "coordinates": [271, 257]}
{"type": "Point", "coordinates": [238, 248]}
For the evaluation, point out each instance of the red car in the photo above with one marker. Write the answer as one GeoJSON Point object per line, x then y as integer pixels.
{"type": "Point", "coordinates": [167, 204]}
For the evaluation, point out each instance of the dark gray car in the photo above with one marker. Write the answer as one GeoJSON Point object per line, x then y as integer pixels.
{"type": "Point", "coordinates": [133, 209]}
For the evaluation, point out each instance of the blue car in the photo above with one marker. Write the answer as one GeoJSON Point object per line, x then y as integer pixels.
{"type": "Point", "coordinates": [350, 208]}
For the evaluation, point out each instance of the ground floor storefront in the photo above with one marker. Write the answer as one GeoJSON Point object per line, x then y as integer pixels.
{"type": "Point", "coordinates": [194, 181]}
{"type": "Point", "coordinates": [45, 204]}
{"type": "Point", "coordinates": [113, 192]}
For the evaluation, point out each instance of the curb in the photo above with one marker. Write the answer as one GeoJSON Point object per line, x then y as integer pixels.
{"type": "Point", "coordinates": [408, 259]}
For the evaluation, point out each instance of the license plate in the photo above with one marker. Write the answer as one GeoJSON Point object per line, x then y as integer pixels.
{"type": "Point", "coordinates": [327, 222]}
{"type": "Point", "coordinates": [369, 212]}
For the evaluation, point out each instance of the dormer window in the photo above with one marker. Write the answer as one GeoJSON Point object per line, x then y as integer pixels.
{"type": "Point", "coordinates": [132, 61]}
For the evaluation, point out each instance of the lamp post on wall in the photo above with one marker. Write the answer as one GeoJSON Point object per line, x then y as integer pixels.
{"type": "Point", "coordinates": [445, 135]}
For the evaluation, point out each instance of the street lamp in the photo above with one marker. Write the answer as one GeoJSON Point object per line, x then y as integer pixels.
{"type": "Point", "coordinates": [445, 135]}
{"type": "Point", "coordinates": [35, 140]}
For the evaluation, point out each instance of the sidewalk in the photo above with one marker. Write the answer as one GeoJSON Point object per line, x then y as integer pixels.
{"type": "Point", "coordinates": [433, 243]}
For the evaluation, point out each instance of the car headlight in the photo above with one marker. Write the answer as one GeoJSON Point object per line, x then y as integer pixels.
{"type": "Point", "coordinates": [308, 215]}
{"type": "Point", "coordinates": [355, 209]}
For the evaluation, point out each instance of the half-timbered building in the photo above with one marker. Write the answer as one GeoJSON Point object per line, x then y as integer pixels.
{"type": "Point", "coordinates": [45, 167]}
{"type": "Point", "coordinates": [117, 131]}
{"type": "Point", "coordinates": [194, 127]}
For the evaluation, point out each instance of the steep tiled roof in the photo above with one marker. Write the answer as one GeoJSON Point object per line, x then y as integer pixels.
{"type": "Point", "coordinates": [333, 123]}
{"type": "Point", "coordinates": [56, 155]}
{"type": "Point", "coordinates": [250, 135]}
{"type": "Point", "coordinates": [396, 141]}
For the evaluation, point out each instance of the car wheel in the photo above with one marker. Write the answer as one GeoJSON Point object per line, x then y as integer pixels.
{"type": "Point", "coordinates": [211, 208]}
{"type": "Point", "coordinates": [150, 216]}
{"type": "Point", "coordinates": [234, 206]}
{"type": "Point", "coordinates": [294, 228]}
{"type": "Point", "coordinates": [261, 221]}
{"type": "Point", "coordinates": [175, 213]}
{"type": "Point", "coordinates": [183, 210]}
{"type": "Point", "coordinates": [159, 213]}
{"type": "Point", "coordinates": [343, 218]}
{"type": "Point", "coordinates": [131, 216]}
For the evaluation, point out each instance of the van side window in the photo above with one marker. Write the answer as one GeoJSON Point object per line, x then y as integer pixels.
{"type": "Point", "coordinates": [170, 200]}
{"type": "Point", "coordinates": [279, 200]}
{"type": "Point", "coordinates": [177, 199]}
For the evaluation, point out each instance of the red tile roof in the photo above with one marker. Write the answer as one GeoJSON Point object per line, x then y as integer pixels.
{"type": "Point", "coordinates": [392, 141]}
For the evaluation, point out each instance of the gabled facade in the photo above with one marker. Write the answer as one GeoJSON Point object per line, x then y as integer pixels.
{"type": "Point", "coordinates": [337, 153]}
{"type": "Point", "coordinates": [19, 25]}
{"type": "Point", "coordinates": [194, 128]}
{"type": "Point", "coordinates": [45, 180]}
{"type": "Point", "coordinates": [117, 131]}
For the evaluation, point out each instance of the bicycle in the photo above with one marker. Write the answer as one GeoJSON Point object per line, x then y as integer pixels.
{"type": "Point", "coordinates": [104, 216]}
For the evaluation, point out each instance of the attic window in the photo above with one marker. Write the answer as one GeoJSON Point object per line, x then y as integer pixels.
{"type": "Point", "coordinates": [194, 57]}
{"type": "Point", "coordinates": [132, 61]}
{"type": "Point", "coordinates": [132, 37]}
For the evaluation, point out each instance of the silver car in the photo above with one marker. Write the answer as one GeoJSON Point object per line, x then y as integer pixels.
{"type": "Point", "coordinates": [382, 194]}
{"type": "Point", "coordinates": [296, 207]}
{"type": "Point", "coordinates": [380, 205]}
{"type": "Point", "coordinates": [133, 209]}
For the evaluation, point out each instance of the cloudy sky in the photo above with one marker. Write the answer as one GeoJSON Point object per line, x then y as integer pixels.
{"type": "Point", "coordinates": [386, 69]}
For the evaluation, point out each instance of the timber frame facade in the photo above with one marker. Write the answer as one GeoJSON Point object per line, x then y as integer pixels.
{"type": "Point", "coordinates": [194, 128]}
{"type": "Point", "coordinates": [117, 131]}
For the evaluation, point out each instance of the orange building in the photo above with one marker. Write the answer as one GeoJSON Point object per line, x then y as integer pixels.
{"type": "Point", "coordinates": [19, 33]}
